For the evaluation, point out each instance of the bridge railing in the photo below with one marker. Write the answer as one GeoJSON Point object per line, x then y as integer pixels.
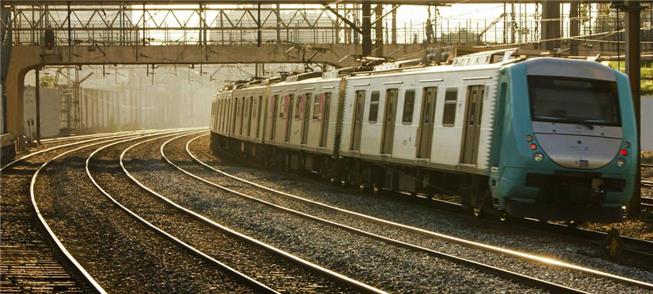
{"type": "Point", "coordinates": [202, 24]}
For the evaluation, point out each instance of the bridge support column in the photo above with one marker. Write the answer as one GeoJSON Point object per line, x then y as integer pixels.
{"type": "Point", "coordinates": [21, 62]}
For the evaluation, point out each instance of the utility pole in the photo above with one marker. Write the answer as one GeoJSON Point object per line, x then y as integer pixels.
{"type": "Point", "coordinates": [551, 24]}
{"type": "Point", "coordinates": [574, 27]}
{"type": "Point", "coordinates": [632, 10]}
{"type": "Point", "coordinates": [37, 101]}
{"type": "Point", "coordinates": [378, 13]}
{"type": "Point", "coordinates": [367, 28]}
{"type": "Point", "coordinates": [394, 23]}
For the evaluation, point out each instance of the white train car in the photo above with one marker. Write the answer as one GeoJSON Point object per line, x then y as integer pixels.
{"type": "Point", "coordinates": [469, 128]}
{"type": "Point", "coordinates": [417, 117]}
{"type": "Point", "coordinates": [400, 117]}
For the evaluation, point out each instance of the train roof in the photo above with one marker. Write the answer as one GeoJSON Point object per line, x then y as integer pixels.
{"type": "Point", "coordinates": [478, 61]}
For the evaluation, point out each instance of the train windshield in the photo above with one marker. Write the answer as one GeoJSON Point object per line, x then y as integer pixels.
{"type": "Point", "coordinates": [574, 100]}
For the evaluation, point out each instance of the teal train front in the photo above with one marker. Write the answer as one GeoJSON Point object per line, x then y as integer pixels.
{"type": "Point", "coordinates": [565, 141]}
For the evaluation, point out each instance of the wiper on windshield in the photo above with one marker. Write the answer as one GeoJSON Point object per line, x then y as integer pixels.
{"type": "Point", "coordinates": [588, 125]}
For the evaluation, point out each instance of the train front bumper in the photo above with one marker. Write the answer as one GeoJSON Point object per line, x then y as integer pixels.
{"type": "Point", "coordinates": [547, 211]}
{"type": "Point", "coordinates": [563, 195]}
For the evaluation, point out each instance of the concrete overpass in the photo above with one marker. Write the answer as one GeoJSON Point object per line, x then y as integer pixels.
{"type": "Point", "coordinates": [26, 58]}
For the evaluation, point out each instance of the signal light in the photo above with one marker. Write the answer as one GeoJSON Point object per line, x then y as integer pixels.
{"type": "Point", "coordinates": [623, 152]}
{"type": "Point", "coordinates": [533, 146]}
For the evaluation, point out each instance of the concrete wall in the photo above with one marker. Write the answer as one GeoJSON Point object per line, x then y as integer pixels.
{"type": "Point", "coordinates": [50, 111]}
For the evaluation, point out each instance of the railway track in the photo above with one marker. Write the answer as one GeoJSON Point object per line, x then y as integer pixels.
{"type": "Point", "coordinates": [481, 267]}
{"type": "Point", "coordinates": [31, 260]}
{"type": "Point", "coordinates": [212, 241]}
{"type": "Point", "coordinates": [647, 202]}
{"type": "Point", "coordinates": [340, 213]}
{"type": "Point", "coordinates": [121, 255]}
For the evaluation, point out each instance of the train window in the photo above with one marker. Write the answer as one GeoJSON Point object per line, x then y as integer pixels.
{"type": "Point", "coordinates": [574, 100]}
{"type": "Point", "coordinates": [450, 99]}
{"type": "Point", "coordinates": [409, 105]}
{"type": "Point", "coordinates": [374, 107]}
{"type": "Point", "coordinates": [299, 109]}
{"type": "Point", "coordinates": [254, 107]}
{"type": "Point", "coordinates": [283, 106]}
{"type": "Point", "coordinates": [317, 103]}
{"type": "Point", "coordinates": [306, 111]}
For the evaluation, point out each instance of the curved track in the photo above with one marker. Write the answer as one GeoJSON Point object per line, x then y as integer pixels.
{"type": "Point", "coordinates": [258, 246]}
{"type": "Point", "coordinates": [33, 257]}
{"type": "Point", "coordinates": [240, 276]}
{"type": "Point", "coordinates": [121, 256]}
{"type": "Point", "coordinates": [502, 272]}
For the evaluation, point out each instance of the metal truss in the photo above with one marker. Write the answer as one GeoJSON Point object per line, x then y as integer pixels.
{"type": "Point", "coordinates": [162, 25]}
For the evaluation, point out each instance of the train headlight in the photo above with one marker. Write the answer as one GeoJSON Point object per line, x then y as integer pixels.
{"type": "Point", "coordinates": [538, 156]}
{"type": "Point", "coordinates": [529, 138]}
{"type": "Point", "coordinates": [621, 162]}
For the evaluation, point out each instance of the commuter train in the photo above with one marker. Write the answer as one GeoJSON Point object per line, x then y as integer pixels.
{"type": "Point", "coordinates": [546, 138]}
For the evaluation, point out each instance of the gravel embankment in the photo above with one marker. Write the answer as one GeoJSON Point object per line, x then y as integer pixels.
{"type": "Point", "coordinates": [409, 213]}
{"type": "Point", "coordinates": [373, 262]}
{"type": "Point", "coordinates": [275, 272]}
{"type": "Point", "coordinates": [123, 255]}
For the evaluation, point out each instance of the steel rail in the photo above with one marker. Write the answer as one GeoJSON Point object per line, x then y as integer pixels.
{"type": "Point", "coordinates": [506, 251]}
{"type": "Point", "coordinates": [93, 283]}
{"type": "Point", "coordinates": [258, 285]}
{"type": "Point", "coordinates": [579, 232]}
{"type": "Point", "coordinates": [647, 202]}
{"type": "Point", "coordinates": [514, 276]}
{"type": "Point", "coordinates": [26, 156]}
{"type": "Point", "coordinates": [76, 137]}
{"type": "Point", "coordinates": [302, 262]}
{"type": "Point", "coordinates": [647, 183]}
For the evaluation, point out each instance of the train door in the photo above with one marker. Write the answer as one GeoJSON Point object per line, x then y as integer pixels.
{"type": "Point", "coordinates": [357, 119]}
{"type": "Point", "coordinates": [241, 113]}
{"type": "Point", "coordinates": [289, 107]}
{"type": "Point", "coordinates": [234, 103]}
{"type": "Point", "coordinates": [250, 116]}
{"type": "Point", "coordinates": [388, 136]}
{"type": "Point", "coordinates": [258, 115]}
{"type": "Point", "coordinates": [326, 102]}
{"type": "Point", "coordinates": [472, 128]}
{"type": "Point", "coordinates": [307, 113]}
{"type": "Point", "coordinates": [425, 129]}
{"type": "Point", "coordinates": [275, 108]}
